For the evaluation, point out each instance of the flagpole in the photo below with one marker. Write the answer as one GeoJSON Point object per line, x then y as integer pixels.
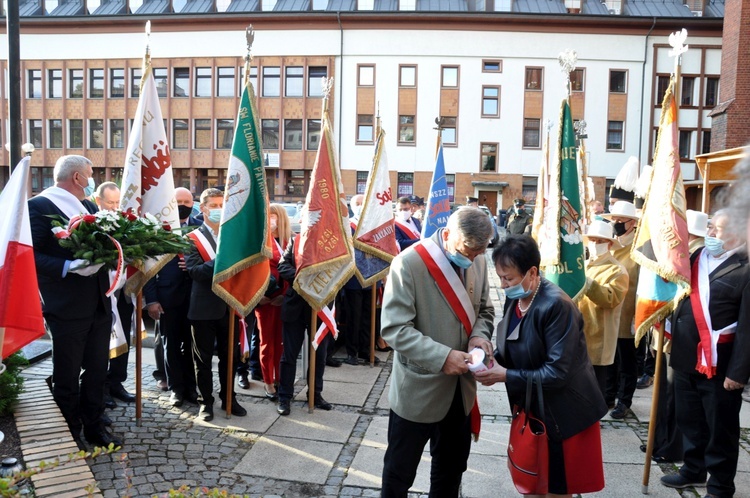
{"type": "Point", "coordinates": [230, 363]}
{"type": "Point", "coordinates": [372, 323]}
{"type": "Point", "coordinates": [311, 363]}
{"type": "Point", "coordinates": [439, 121]}
{"type": "Point", "coordinates": [138, 357]}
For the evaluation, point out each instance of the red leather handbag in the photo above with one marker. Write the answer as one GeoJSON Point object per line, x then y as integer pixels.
{"type": "Point", "coordinates": [528, 450]}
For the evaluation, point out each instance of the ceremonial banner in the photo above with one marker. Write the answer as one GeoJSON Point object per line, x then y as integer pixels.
{"type": "Point", "coordinates": [147, 181]}
{"type": "Point", "coordinates": [375, 237]}
{"type": "Point", "coordinates": [560, 238]}
{"type": "Point", "coordinates": [326, 259]}
{"type": "Point", "coordinates": [20, 308]}
{"type": "Point", "coordinates": [438, 203]}
{"type": "Point", "coordinates": [542, 193]}
{"type": "Point", "coordinates": [241, 267]}
{"type": "Point", "coordinates": [661, 239]}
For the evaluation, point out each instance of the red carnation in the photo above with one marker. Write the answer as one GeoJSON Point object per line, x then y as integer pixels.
{"type": "Point", "coordinates": [129, 215]}
{"type": "Point", "coordinates": [89, 218]}
{"type": "Point", "coordinates": [166, 226]}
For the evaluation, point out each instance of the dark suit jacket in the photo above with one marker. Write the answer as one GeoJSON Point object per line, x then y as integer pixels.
{"type": "Point", "coordinates": [204, 303]}
{"type": "Point", "coordinates": [729, 303]}
{"type": "Point", "coordinates": [294, 306]}
{"type": "Point", "coordinates": [171, 286]}
{"type": "Point", "coordinates": [405, 240]}
{"type": "Point", "coordinates": [73, 297]}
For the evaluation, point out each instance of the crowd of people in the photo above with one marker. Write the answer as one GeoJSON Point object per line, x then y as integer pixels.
{"type": "Point", "coordinates": [583, 354]}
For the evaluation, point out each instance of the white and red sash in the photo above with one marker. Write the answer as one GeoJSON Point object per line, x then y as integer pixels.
{"type": "Point", "coordinates": [410, 231]}
{"type": "Point", "coordinates": [327, 317]}
{"type": "Point", "coordinates": [454, 291]}
{"type": "Point", "coordinates": [205, 249]}
{"type": "Point", "coordinates": [699, 298]}
{"type": "Point", "coordinates": [66, 202]}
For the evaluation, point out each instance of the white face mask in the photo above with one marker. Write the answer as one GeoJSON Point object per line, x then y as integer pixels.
{"type": "Point", "coordinates": [404, 215]}
{"type": "Point", "coordinates": [596, 250]}
{"type": "Point", "coordinates": [356, 211]}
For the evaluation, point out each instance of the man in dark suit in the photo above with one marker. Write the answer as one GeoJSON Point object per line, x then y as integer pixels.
{"type": "Point", "coordinates": [208, 313]}
{"type": "Point", "coordinates": [78, 314]}
{"type": "Point", "coordinates": [168, 300]}
{"type": "Point", "coordinates": [408, 228]}
{"type": "Point", "coordinates": [711, 360]}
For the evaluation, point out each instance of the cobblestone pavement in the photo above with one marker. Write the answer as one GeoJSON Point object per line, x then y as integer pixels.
{"type": "Point", "coordinates": [337, 453]}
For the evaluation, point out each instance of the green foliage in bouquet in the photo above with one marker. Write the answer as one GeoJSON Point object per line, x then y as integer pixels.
{"type": "Point", "coordinates": [88, 237]}
{"type": "Point", "coordinates": [11, 382]}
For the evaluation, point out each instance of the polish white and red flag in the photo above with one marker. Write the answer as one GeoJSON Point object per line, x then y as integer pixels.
{"type": "Point", "coordinates": [20, 308]}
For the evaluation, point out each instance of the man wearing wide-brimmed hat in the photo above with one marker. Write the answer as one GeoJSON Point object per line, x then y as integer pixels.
{"type": "Point", "coordinates": [606, 285]}
{"type": "Point", "coordinates": [520, 219]}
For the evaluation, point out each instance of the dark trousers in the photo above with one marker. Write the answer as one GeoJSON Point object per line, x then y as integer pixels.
{"type": "Point", "coordinates": [358, 304]}
{"type": "Point", "coordinates": [80, 345]}
{"type": "Point", "coordinates": [177, 342]}
{"type": "Point", "coordinates": [709, 417]}
{"type": "Point", "coordinates": [206, 333]}
{"type": "Point", "coordinates": [627, 378]}
{"type": "Point", "coordinates": [160, 372]}
{"type": "Point", "coordinates": [118, 366]}
{"type": "Point", "coordinates": [667, 437]}
{"type": "Point", "coordinates": [601, 372]}
{"type": "Point", "coordinates": [252, 364]}
{"type": "Point", "coordinates": [450, 442]}
{"type": "Point", "coordinates": [293, 336]}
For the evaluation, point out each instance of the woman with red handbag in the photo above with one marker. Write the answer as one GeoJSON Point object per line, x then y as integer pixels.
{"type": "Point", "coordinates": [542, 358]}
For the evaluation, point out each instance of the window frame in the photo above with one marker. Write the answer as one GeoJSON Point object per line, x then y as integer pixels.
{"type": "Point", "coordinates": [537, 129]}
{"type": "Point", "coordinates": [401, 68]}
{"type": "Point", "coordinates": [112, 79]}
{"type": "Point", "coordinates": [496, 99]}
{"type": "Point", "coordinates": [207, 92]}
{"type": "Point", "coordinates": [51, 80]}
{"type": "Point", "coordinates": [289, 128]}
{"type": "Point", "coordinates": [313, 80]}
{"type": "Point", "coordinates": [224, 78]}
{"type": "Point", "coordinates": [483, 154]}
{"type": "Point", "coordinates": [161, 73]}
{"type": "Point", "coordinates": [361, 67]}
{"type": "Point", "coordinates": [690, 149]}
{"type": "Point", "coordinates": [691, 94]}
{"type": "Point", "coordinates": [443, 68]}
{"type": "Point", "coordinates": [94, 80]}
{"type": "Point", "coordinates": [407, 180]}
{"type": "Point", "coordinates": [34, 79]}
{"type": "Point", "coordinates": [200, 128]}
{"type": "Point", "coordinates": [264, 130]}
{"type": "Point", "coordinates": [180, 127]}
{"type": "Point", "coordinates": [222, 127]}
{"type": "Point", "coordinates": [717, 87]}
{"type": "Point", "coordinates": [290, 79]}
{"type": "Point", "coordinates": [308, 135]}
{"type": "Point", "coordinates": [486, 62]}
{"type": "Point", "coordinates": [362, 124]}
{"type": "Point", "coordinates": [624, 72]}
{"type": "Point", "coordinates": [528, 72]}
{"type": "Point", "coordinates": [92, 130]}
{"type": "Point", "coordinates": [178, 78]}
{"type": "Point", "coordinates": [452, 126]}
{"type": "Point", "coordinates": [582, 72]}
{"type": "Point", "coordinates": [622, 135]}
{"type": "Point", "coordinates": [412, 125]}
{"type": "Point", "coordinates": [113, 128]}
{"type": "Point", "coordinates": [52, 131]}
{"type": "Point", "coordinates": [76, 132]}
{"type": "Point", "coordinates": [136, 74]}
{"type": "Point", "coordinates": [267, 79]}
{"type": "Point", "coordinates": [72, 79]}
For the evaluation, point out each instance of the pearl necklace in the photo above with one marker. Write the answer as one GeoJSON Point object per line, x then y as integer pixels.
{"type": "Point", "coordinates": [523, 311]}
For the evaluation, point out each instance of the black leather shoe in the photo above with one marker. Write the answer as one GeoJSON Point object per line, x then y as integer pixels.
{"type": "Point", "coordinates": [333, 362]}
{"type": "Point", "coordinates": [102, 437]}
{"type": "Point", "coordinates": [383, 350]}
{"type": "Point", "coordinates": [176, 399]}
{"type": "Point", "coordinates": [644, 448]}
{"type": "Point", "coordinates": [256, 376]}
{"type": "Point", "coordinates": [191, 397]}
{"type": "Point", "coordinates": [351, 360]}
{"type": "Point", "coordinates": [206, 413]}
{"type": "Point", "coordinates": [619, 411]}
{"type": "Point", "coordinates": [108, 401]}
{"type": "Point", "coordinates": [244, 382]}
{"type": "Point", "coordinates": [645, 381]}
{"type": "Point", "coordinates": [272, 396]}
{"type": "Point", "coordinates": [322, 404]}
{"type": "Point", "coordinates": [120, 393]}
{"type": "Point", "coordinates": [366, 357]}
{"type": "Point", "coordinates": [237, 409]}
{"type": "Point", "coordinates": [677, 481]}
{"type": "Point", "coordinates": [284, 407]}
{"type": "Point", "coordinates": [106, 421]}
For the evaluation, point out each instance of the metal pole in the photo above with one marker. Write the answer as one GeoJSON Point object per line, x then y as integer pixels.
{"type": "Point", "coordinates": [138, 357]}
{"type": "Point", "coordinates": [230, 363]}
{"type": "Point", "coordinates": [14, 83]}
{"type": "Point", "coordinates": [372, 322]}
{"type": "Point", "coordinates": [654, 407]}
{"type": "Point", "coordinates": [311, 364]}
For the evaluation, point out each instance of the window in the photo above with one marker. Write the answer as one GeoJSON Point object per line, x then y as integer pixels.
{"type": "Point", "coordinates": [202, 133]}
{"type": "Point", "coordinates": [293, 81]}
{"type": "Point", "coordinates": [224, 133]}
{"type": "Point", "coordinates": [253, 78]}
{"type": "Point", "coordinates": [202, 81]}
{"type": "Point", "coordinates": [116, 83]}
{"type": "Point", "coordinates": [96, 133]}
{"type": "Point", "coordinates": [366, 75]}
{"type": "Point", "coordinates": [449, 134]}
{"type": "Point", "coordinates": [271, 82]}
{"type": "Point", "coordinates": [362, 181]}
{"type": "Point", "coordinates": [684, 144]}
{"type": "Point", "coordinates": [534, 78]}
{"type": "Point", "coordinates": [319, 4]}
{"type": "Point", "coordinates": [116, 133]}
{"type": "Point", "coordinates": [614, 135]}
{"type": "Point", "coordinates": [449, 77]}
{"type": "Point", "coordinates": [160, 77]}
{"type": "Point", "coordinates": [365, 4]}
{"type": "Point", "coordinates": [35, 83]}
{"type": "Point", "coordinates": [75, 83]}
{"type": "Point", "coordinates": [405, 185]}
{"type": "Point", "coordinates": [35, 132]}
{"type": "Point", "coordinates": [503, 5]}
{"type": "Point", "coordinates": [364, 128]}
{"type": "Point", "coordinates": [712, 91]}
{"type": "Point", "coordinates": [492, 66]}
{"type": "Point", "coordinates": [491, 101]}
{"type": "Point", "coordinates": [407, 5]}
{"type": "Point", "coordinates": [531, 133]}
{"type": "Point", "coordinates": [313, 133]}
{"type": "Point", "coordinates": [489, 158]}
{"type": "Point", "coordinates": [96, 83]}
{"type": "Point", "coordinates": [662, 83]}
{"type": "Point", "coordinates": [181, 81]}
{"type": "Point", "coordinates": [576, 80]}
{"type": "Point", "coordinates": [406, 129]}
{"type": "Point", "coordinates": [450, 180]}
{"type": "Point", "coordinates": [180, 134]}
{"type": "Point", "coordinates": [686, 92]}
{"type": "Point", "coordinates": [135, 82]}
{"type": "Point", "coordinates": [315, 75]}
{"type": "Point", "coordinates": [407, 76]}
{"type": "Point", "coordinates": [54, 83]}
{"type": "Point", "coordinates": [706, 142]}
{"type": "Point", "coordinates": [270, 132]}
{"type": "Point", "coordinates": [267, 5]}
{"type": "Point", "coordinates": [75, 133]}
{"type": "Point", "coordinates": [292, 134]}
{"type": "Point", "coordinates": [55, 134]}
{"type": "Point", "coordinates": [618, 81]}
{"type": "Point", "coordinates": [225, 82]}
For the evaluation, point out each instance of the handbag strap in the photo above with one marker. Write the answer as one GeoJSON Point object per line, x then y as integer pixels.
{"type": "Point", "coordinates": [535, 378]}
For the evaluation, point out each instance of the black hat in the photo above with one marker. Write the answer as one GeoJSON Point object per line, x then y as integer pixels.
{"type": "Point", "coordinates": [470, 199]}
{"type": "Point", "coordinates": [519, 202]}
{"type": "Point", "coordinates": [414, 199]}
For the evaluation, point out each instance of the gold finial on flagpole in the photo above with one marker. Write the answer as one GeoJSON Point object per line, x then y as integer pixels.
{"type": "Point", "coordinates": [568, 60]}
{"type": "Point", "coordinates": [326, 86]}
{"type": "Point", "coordinates": [249, 37]}
{"type": "Point", "coordinates": [148, 39]}
{"type": "Point", "coordinates": [377, 121]}
{"type": "Point", "coordinates": [677, 42]}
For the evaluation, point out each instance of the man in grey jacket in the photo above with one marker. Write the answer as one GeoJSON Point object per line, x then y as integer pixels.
{"type": "Point", "coordinates": [436, 308]}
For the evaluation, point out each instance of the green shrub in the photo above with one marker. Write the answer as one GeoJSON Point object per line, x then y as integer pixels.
{"type": "Point", "coordinates": [11, 382]}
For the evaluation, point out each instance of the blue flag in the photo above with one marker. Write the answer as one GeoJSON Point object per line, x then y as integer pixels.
{"type": "Point", "coordinates": [438, 203]}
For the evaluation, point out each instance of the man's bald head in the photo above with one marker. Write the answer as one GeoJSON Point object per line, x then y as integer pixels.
{"type": "Point", "coordinates": [183, 197]}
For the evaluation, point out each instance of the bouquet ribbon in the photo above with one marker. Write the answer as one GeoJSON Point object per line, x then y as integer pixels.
{"type": "Point", "coordinates": [120, 266]}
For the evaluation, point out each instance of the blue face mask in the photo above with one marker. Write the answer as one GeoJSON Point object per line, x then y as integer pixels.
{"type": "Point", "coordinates": [214, 215]}
{"type": "Point", "coordinates": [517, 291]}
{"type": "Point", "coordinates": [714, 246]}
{"type": "Point", "coordinates": [459, 260]}
{"type": "Point", "coordinates": [90, 187]}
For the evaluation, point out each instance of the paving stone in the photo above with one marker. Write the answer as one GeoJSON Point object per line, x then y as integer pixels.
{"type": "Point", "coordinates": [333, 426]}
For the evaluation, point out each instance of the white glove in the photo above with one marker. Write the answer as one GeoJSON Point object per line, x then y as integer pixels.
{"type": "Point", "coordinates": [83, 267]}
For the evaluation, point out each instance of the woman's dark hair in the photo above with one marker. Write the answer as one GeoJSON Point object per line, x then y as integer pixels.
{"type": "Point", "coordinates": [517, 251]}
